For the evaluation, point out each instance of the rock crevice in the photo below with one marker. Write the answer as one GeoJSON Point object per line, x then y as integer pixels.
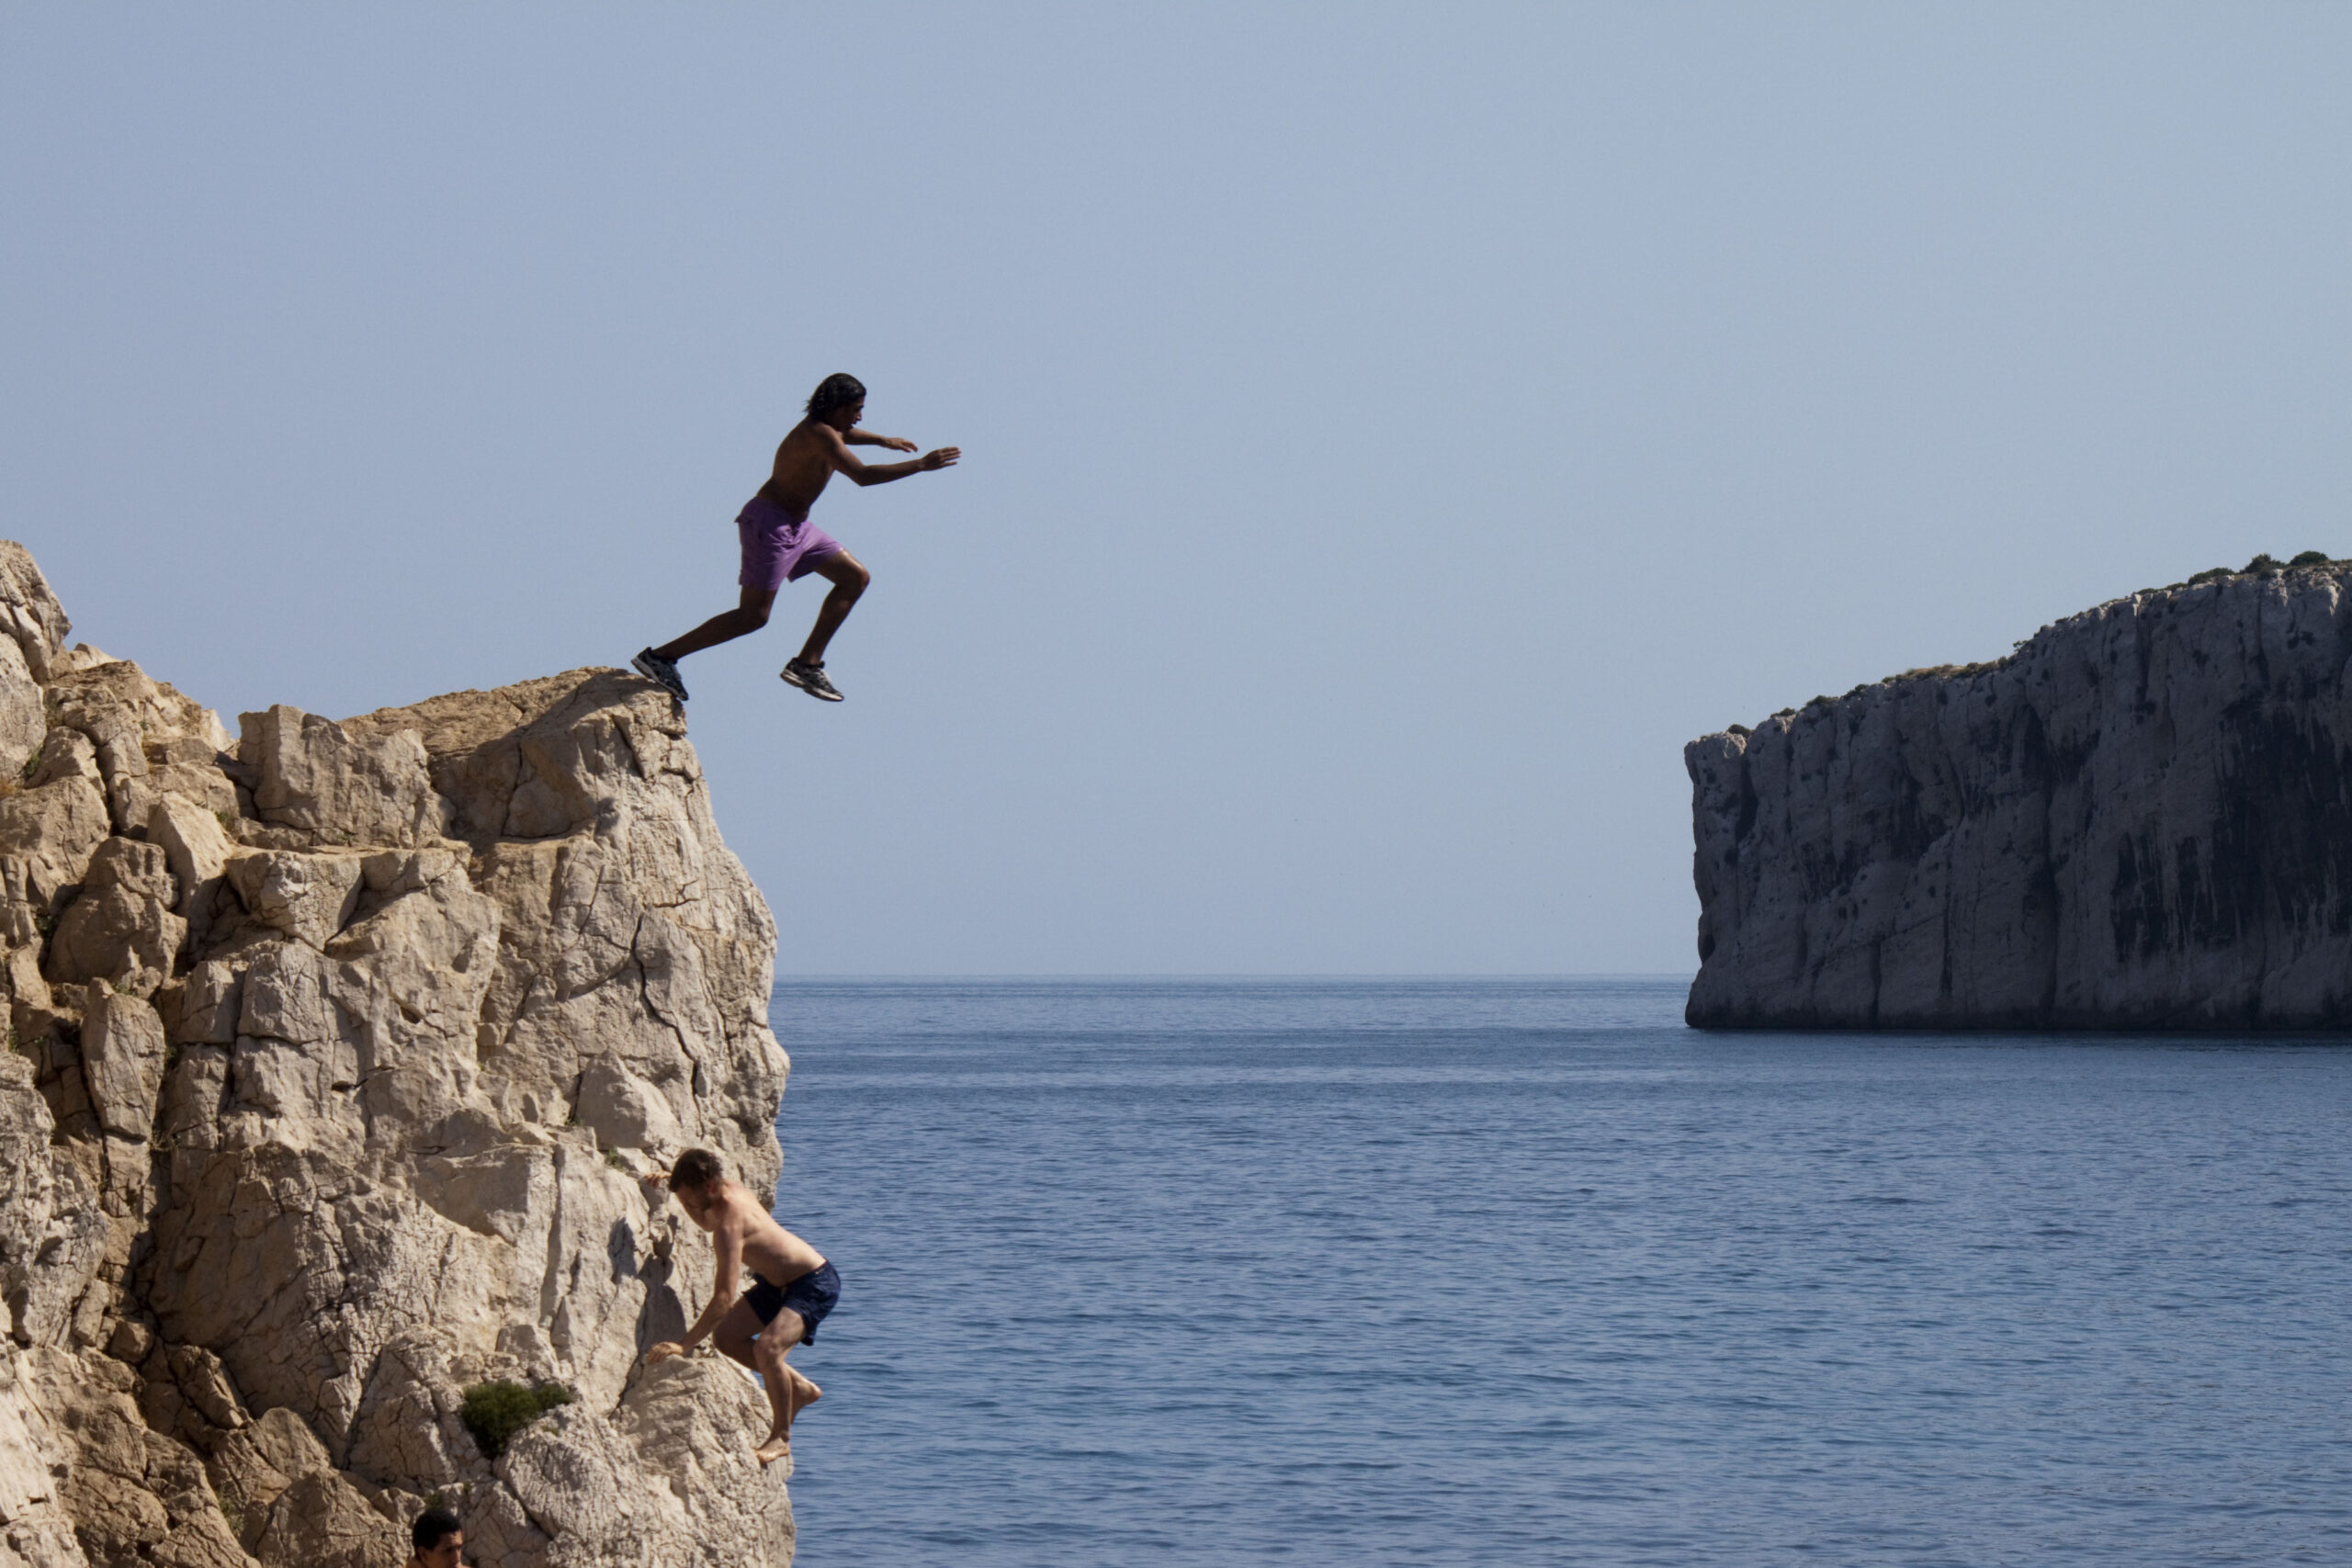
{"type": "Point", "coordinates": [337, 1050]}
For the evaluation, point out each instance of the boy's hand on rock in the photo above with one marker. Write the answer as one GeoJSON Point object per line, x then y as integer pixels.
{"type": "Point", "coordinates": [663, 1351]}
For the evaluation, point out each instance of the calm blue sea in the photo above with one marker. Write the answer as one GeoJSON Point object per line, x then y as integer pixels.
{"type": "Point", "coordinates": [1526, 1272]}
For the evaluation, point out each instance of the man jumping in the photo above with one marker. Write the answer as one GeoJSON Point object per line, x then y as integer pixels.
{"type": "Point", "coordinates": [792, 1290]}
{"type": "Point", "coordinates": [781, 546]}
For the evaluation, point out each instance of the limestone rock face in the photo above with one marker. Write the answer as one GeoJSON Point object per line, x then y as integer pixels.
{"type": "Point", "coordinates": [336, 786]}
{"type": "Point", "coordinates": [2141, 819]}
{"type": "Point", "coordinates": [338, 1053]}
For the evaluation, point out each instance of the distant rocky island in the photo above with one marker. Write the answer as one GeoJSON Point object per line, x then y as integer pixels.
{"type": "Point", "coordinates": [337, 1052]}
{"type": "Point", "coordinates": [2140, 818]}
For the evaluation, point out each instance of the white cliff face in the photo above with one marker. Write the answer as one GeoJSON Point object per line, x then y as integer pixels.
{"type": "Point", "coordinates": [2141, 819]}
{"type": "Point", "coordinates": [337, 1052]}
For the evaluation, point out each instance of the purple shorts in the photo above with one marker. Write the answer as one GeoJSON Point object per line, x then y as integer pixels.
{"type": "Point", "coordinates": [777, 550]}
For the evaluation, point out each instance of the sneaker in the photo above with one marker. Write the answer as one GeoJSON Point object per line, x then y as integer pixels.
{"type": "Point", "coordinates": [810, 678]}
{"type": "Point", "coordinates": [663, 672]}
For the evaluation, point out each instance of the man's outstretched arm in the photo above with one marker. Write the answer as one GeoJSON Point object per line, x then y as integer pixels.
{"type": "Point", "coordinates": [867, 438]}
{"type": "Point", "coordinates": [849, 467]}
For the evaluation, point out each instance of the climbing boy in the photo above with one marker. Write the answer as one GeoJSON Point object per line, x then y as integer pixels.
{"type": "Point", "coordinates": [781, 546]}
{"type": "Point", "coordinates": [792, 1290]}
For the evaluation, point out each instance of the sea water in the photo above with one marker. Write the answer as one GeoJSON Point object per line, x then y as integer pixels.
{"type": "Point", "coordinates": [1526, 1272]}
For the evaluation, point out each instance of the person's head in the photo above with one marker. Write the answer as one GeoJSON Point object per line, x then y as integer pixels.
{"type": "Point", "coordinates": [439, 1540]}
{"type": "Point", "coordinates": [694, 1181]}
{"type": "Point", "coordinates": [838, 401]}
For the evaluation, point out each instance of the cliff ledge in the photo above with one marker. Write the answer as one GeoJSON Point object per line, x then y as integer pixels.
{"type": "Point", "coordinates": [337, 1052]}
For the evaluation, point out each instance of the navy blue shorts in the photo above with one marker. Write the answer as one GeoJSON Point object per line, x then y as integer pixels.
{"type": "Point", "coordinates": [812, 1296]}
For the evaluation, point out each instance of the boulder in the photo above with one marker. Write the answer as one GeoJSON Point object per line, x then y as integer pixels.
{"type": "Point", "coordinates": [29, 613]}
{"type": "Point", "coordinates": [66, 753]}
{"type": "Point", "coordinates": [197, 844]}
{"type": "Point", "coordinates": [194, 843]}
{"type": "Point", "coordinates": [130, 719]}
{"type": "Point", "coordinates": [336, 787]}
{"type": "Point", "coordinates": [24, 712]}
{"type": "Point", "coordinates": [134, 1494]}
{"type": "Point", "coordinates": [121, 929]}
{"type": "Point", "coordinates": [306, 897]}
{"type": "Point", "coordinates": [36, 1528]}
{"type": "Point", "coordinates": [322, 1520]}
{"type": "Point", "coordinates": [627, 1112]}
{"type": "Point", "coordinates": [123, 1062]}
{"type": "Point", "coordinates": [47, 837]}
{"type": "Point", "coordinates": [53, 1237]}
{"type": "Point", "coordinates": [712, 1504]}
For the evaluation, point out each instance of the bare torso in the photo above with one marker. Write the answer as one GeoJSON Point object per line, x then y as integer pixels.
{"type": "Point", "coordinates": [771, 1252]}
{"type": "Point", "coordinates": [804, 461]}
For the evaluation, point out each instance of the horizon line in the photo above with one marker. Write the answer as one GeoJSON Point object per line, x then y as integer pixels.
{"type": "Point", "coordinates": [1679, 977]}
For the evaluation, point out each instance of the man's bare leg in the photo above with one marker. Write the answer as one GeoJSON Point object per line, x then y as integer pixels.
{"type": "Point", "coordinates": [788, 1392]}
{"type": "Point", "coordinates": [798, 1395]}
{"type": "Point", "coordinates": [740, 1338]}
{"type": "Point", "coordinates": [737, 1335]}
{"type": "Point", "coordinates": [849, 578]}
{"type": "Point", "coordinates": [747, 617]}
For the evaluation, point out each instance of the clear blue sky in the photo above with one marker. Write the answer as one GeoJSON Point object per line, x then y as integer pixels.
{"type": "Point", "coordinates": [1390, 432]}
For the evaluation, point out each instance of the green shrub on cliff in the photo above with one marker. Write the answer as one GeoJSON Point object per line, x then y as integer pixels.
{"type": "Point", "coordinates": [495, 1412]}
{"type": "Point", "coordinates": [2311, 557]}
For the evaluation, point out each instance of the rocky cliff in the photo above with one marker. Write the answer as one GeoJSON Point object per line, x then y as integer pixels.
{"type": "Point", "coordinates": [2141, 819]}
{"type": "Point", "coordinates": [337, 1050]}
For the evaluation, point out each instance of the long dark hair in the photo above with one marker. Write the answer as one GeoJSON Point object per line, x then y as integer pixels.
{"type": "Point", "coordinates": [838, 391]}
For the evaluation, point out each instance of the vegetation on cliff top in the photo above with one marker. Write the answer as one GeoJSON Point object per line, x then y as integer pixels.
{"type": "Point", "coordinates": [2263, 565]}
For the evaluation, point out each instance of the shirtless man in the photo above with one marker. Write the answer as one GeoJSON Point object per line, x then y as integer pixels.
{"type": "Point", "coordinates": [781, 546]}
{"type": "Point", "coordinates": [439, 1540]}
{"type": "Point", "coordinates": [792, 1290]}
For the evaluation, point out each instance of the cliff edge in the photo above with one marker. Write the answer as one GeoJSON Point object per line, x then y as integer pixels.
{"type": "Point", "coordinates": [337, 1050]}
{"type": "Point", "coordinates": [2141, 819]}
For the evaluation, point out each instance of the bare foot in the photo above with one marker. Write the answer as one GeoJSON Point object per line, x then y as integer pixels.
{"type": "Point", "coordinates": [799, 1393]}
